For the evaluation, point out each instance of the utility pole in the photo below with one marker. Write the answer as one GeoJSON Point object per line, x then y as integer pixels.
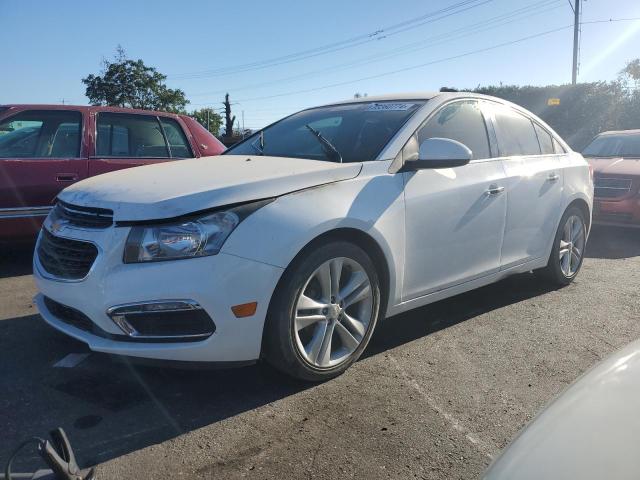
{"type": "Point", "coordinates": [576, 39]}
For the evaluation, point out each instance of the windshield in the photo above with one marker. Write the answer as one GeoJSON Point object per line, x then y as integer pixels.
{"type": "Point", "coordinates": [357, 131]}
{"type": "Point", "coordinates": [623, 145]}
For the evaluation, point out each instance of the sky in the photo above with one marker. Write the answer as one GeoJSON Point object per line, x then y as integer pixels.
{"type": "Point", "coordinates": [276, 57]}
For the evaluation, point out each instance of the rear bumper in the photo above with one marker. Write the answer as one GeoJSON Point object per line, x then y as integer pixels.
{"type": "Point", "coordinates": [623, 213]}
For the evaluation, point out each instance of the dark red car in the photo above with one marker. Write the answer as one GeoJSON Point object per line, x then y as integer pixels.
{"type": "Point", "coordinates": [45, 148]}
{"type": "Point", "coordinates": [615, 158]}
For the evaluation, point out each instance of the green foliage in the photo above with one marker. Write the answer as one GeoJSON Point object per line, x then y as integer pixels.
{"type": "Point", "coordinates": [209, 119]}
{"type": "Point", "coordinates": [585, 109]}
{"type": "Point", "coordinates": [130, 83]}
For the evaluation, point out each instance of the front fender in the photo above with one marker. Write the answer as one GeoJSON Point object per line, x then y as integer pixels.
{"type": "Point", "coordinates": [372, 203]}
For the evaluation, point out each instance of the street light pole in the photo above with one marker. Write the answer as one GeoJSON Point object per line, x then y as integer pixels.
{"type": "Point", "coordinates": [576, 39]}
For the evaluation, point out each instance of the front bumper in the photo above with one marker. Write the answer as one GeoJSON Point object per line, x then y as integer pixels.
{"type": "Point", "coordinates": [623, 213]}
{"type": "Point", "coordinates": [216, 283]}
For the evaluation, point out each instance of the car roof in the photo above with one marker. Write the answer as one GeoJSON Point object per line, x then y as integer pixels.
{"type": "Point", "coordinates": [393, 97]}
{"type": "Point", "coordinates": [621, 132]}
{"type": "Point", "coordinates": [81, 108]}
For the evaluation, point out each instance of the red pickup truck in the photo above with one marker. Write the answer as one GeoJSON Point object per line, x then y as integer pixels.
{"type": "Point", "coordinates": [45, 148]}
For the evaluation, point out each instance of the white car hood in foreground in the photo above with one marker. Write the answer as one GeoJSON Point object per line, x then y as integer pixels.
{"type": "Point", "coordinates": [591, 431]}
{"type": "Point", "coordinates": [172, 189]}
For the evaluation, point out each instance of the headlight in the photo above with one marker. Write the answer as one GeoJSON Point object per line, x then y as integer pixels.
{"type": "Point", "coordinates": [186, 238]}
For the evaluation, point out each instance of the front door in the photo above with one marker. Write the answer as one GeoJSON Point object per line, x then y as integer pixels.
{"type": "Point", "coordinates": [455, 217]}
{"type": "Point", "coordinates": [41, 153]}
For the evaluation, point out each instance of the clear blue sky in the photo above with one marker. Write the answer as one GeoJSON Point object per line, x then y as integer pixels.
{"type": "Point", "coordinates": [50, 45]}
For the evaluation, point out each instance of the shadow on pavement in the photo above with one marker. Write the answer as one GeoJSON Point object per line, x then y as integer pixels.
{"type": "Point", "coordinates": [420, 322]}
{"type": "Point", "coordinates": [613, 242]}
{"type": "Point", "coordinates": [15, 259]}
{"type": "Point", "coordinates": [110, 407]}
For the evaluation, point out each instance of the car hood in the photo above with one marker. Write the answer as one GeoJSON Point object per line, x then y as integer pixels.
{"type": "Point", "coordinates": [172, 189]}
{"type": "Point", "coordinates": [615, 166]}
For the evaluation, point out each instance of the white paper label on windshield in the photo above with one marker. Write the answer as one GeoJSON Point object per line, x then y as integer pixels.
{"type": "Point", "coordinates": [389, 107]}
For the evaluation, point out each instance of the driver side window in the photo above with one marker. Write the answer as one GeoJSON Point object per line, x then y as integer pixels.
{"type": "Point", "coordinates": [461, 121]}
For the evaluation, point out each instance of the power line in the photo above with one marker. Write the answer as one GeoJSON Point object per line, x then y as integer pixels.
{"type": "Point", "coordinates": [413, 67]}
{"type": "Point", "coordinates": [348, 43]}
{"type": "Point", "coordinates": [537, 8]}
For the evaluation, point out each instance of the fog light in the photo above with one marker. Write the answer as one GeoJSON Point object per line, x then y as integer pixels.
{"type": "Point", "coordinates": [169, 320]}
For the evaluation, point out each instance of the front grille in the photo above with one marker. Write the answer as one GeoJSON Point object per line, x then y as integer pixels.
{"type": "Point", "coordinates": [69, 315]}
{"type": "Point", "coordinates": [65, 258]}
{"type": "Point", "coordinates": [85, 217]}
{"type": "Point", "coordinates": [612, 187]}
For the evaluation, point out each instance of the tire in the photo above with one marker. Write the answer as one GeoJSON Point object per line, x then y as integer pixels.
{"type": "Point", "coordinates": [304, 313]}
{"type": "Point", "coordinates": [556, 270]}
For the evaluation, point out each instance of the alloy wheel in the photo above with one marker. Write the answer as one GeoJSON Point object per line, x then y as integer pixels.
{"type": "Point", "coordinates": [333, 312]}
{"type": "Point", "coordinates": [572, 245]}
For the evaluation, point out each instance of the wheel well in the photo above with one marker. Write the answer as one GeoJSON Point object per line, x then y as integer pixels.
{"type": "Point", "coordinates": [368, 244]}
{"type": "Point", "coordinates": [582, 205]}
{"type": "Point", "coordinates": [362, 240]}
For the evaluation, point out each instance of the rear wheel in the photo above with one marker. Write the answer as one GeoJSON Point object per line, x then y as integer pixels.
{"type": "Point", "coordinates": [568, 248]}
{"type": "Point", "coordinates": [323, 312]}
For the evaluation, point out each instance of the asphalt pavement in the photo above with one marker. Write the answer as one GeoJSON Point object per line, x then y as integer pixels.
{"type": "Point", "coordinates": [439, 392]}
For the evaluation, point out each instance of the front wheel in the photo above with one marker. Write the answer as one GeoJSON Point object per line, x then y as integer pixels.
{"type": "Point", "coordinates": [323, 312]}
{"type": "Point", "coordinates": [568, 248]}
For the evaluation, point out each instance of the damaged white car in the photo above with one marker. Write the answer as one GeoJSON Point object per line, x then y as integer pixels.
{"type": "Point", "coordinates": [297, 241]}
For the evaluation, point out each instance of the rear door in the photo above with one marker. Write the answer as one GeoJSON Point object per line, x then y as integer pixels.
{"type": "Point", "coordinates": [534, 185]}
{"type": "Point", "coordinates": [41, 153]}
{"type": "Point", "coordinates": [125, 140]}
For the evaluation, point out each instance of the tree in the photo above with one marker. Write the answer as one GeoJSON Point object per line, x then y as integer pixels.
{"type": "Point", "coordinates": [130, 83]}
{"type": "Point", "coordinates": [631, 72]}
{"type": "Point", "coordinates": [209, 119]}
{"type": "Point", "coordinates": [585, 109]}
{"type": "Point", "coordinates": [228, 119]}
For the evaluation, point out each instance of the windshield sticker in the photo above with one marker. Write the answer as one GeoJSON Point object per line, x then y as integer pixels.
{"type": "Point", "coordinates": [389, 107]}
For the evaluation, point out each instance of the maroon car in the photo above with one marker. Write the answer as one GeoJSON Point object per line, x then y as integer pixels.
{"type": "Point", "coordinates": [615, 158]}
{"type": "Point", "coordinates": [45, 148]}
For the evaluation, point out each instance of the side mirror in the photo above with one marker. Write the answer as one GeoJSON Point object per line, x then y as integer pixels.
{"type": "Point", "coordinates": [439, 153]}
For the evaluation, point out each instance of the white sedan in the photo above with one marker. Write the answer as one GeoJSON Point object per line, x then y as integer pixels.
{"type": "Point", "coordinates": [292, 245]}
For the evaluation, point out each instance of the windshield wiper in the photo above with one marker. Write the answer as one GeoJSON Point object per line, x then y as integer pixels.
{"type": "Point", "coordinates": [328, 146]}
{"type": "Point", "coordinates": [259, 148]}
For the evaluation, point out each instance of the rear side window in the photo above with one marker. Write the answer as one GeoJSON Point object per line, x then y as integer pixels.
{"type": "Point", "coordinates": [177, 139]}
{"type": "Point", "coordinates": [557, 148]}
{"type": "Point", "coordinates": [130, 135]}
{"type": "Point", "coordinates": [41, 134]}
{"type": "Point", "coordinates": [516, 135]}
{"type": "Point", "coordinates": [461, 121]}
{"type": "Point", "coordinates": [545, 140]}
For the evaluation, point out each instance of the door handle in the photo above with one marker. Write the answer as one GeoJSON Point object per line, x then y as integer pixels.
{"type": "Point", "coordinates": [553, 177]}
{"type": "Point", "coordinates": [495, 190]}
{"type": "Point", "coordinates": [66, 177]}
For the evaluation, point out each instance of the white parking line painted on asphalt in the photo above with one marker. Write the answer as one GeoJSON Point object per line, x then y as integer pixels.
{"type": "Point", "coordinates": [483, 447]}
{"type": "Point", "coordinates": [71, 360]}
